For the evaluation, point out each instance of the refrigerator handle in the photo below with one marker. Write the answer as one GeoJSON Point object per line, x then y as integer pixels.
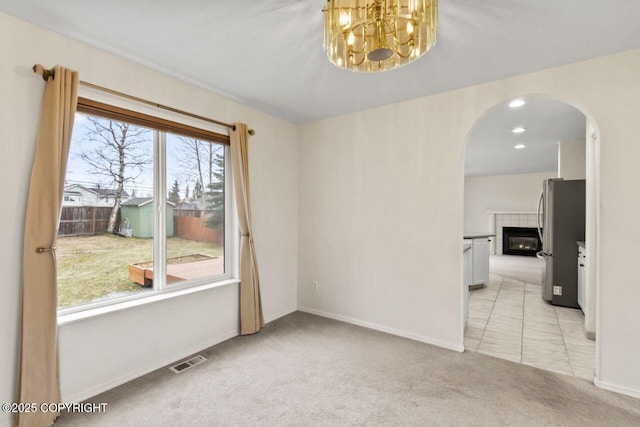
{"type": "Point", "coordinates": [540, 213]}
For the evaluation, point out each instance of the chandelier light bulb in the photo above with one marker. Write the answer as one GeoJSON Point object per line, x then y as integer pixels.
{"type": "Point", "coordinates": [351, 39]}
{"type": "Point", "coordinates": [345, 19]}
{"type": "Point", "coordinates": [409, 28]}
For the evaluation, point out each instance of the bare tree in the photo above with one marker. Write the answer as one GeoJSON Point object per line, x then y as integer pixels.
{"type": "Point", "coordinates": [119, 153]}
{"type": "Point", "coordinates": [198, 163]}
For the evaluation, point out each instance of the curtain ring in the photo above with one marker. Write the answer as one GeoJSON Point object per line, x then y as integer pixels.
{"type": "Point", "coordinates": [244, 234]}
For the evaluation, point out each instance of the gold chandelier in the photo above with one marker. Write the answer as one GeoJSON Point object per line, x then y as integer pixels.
{"type": "Point", "coordinates": [378, 35]}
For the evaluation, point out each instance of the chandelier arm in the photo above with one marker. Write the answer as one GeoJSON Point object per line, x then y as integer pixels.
{"type": "Point", "coordinates": [357, 52]}
{"type": "Point", "coordinates": [410, 41]}
{"type": "Point", "coordinates": [402, 55]}
{"type": "Point", "coordinates": [364, 38]}
{"type": "Point", "coordinates": [352, 57]}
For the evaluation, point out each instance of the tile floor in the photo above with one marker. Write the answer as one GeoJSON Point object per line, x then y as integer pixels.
{"type": "Point", "coordinates": [508, 319]}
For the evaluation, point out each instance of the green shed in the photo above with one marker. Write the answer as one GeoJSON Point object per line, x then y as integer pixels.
{"type": "Point", "coordinates": [139, 213]}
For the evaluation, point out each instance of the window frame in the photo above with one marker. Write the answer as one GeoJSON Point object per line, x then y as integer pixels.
{"type": "Point", "coordinates": [160, 127]}
{"type": "Point", "coordinates": [113, 112]}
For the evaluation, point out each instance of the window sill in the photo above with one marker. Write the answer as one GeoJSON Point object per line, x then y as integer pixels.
{"type": "Point", "coordinates": [65, 319]}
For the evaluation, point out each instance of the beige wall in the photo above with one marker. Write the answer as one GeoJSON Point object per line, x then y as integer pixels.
{"type": "Point", "coordinates": [500, 193]}
{"type": "Point", "coordinates": [371, 210]}
{"type": "Point", "coordinates": [572, 159]}
{"type": "Point", "coordinates": [381, 208]}
{"type": "Point", "coordinates": [105, 350]}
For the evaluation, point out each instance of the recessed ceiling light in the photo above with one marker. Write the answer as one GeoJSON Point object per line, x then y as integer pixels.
{"type": "Point", "coordinates": [516, 103]}
{"type": "Point", "coordinates": [519, 146]}
{"type": "Point", "coordinates": [519, 129]}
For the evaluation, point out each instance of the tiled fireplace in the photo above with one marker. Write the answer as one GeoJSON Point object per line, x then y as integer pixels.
{"type": "Point", "coordinates": [509, 219]}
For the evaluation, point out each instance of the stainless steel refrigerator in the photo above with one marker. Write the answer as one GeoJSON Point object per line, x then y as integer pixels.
{"type": "Point", "coordinates": [561, 218]}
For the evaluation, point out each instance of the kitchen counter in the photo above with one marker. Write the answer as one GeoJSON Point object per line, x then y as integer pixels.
{"type": "Point", "coordinates": [476, 235]}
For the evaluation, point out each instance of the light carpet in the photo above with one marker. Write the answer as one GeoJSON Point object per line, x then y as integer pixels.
{"type": "Point", "coordinates": [304, 370]}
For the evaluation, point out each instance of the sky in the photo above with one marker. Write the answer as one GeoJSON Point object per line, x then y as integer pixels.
{"type": "Point", "coordinates": [180, 166]}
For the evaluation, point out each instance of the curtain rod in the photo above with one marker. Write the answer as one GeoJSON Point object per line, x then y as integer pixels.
{"type": "Point", "coordinates": [40, 70]}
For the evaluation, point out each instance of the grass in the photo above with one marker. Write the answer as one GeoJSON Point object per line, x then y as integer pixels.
{"type": "Point", "coordinates": [94, 267]}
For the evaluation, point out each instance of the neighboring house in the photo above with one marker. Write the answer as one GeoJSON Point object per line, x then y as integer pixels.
{"type": "Point", "coordinates": [190, 205]}
{"type": "Point", "coordinates": [80, 195]}
{"type": "Point", "coordinates": [193, 208]}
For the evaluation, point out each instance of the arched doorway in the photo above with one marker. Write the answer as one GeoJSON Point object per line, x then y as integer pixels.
{"type": "Point", "coordinates": [511, 150]}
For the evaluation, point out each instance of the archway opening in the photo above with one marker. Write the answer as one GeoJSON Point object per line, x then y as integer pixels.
{"type": "Point", "coordinates": [530, 221]}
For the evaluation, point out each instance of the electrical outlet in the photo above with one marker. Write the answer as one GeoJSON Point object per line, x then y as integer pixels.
{"type": "Point", "coordinates": [316, 286]}
{"type": "Point", "coordinates": [557, 290]}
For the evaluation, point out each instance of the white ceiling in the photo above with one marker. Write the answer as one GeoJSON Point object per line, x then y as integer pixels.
{"type": "Point", "coordinates": [268, 54]}
{"type": "Point", "coordinates": [490, 149]}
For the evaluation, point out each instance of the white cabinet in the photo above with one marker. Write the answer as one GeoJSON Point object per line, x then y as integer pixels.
{"type": "Point", "coordinates": [476, 267]}
{"type": "Point", "coordinates": [581, 277]}
{"type": "Point", "coordinates": [467, 276]}
{"type": "Point", "coordinates": [481, 250]}
{"type": "Point", "coordinates": [468, 264]}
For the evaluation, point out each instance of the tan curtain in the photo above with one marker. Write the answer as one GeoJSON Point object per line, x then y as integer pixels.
{"type": "Point", "coordinates": [39, 380]}
{"type": "Point", "coordinates": [251, 320]}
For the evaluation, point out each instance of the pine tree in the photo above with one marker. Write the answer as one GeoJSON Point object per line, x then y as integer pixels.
{"type": "Point", "coordinates": [214, 196]}
{"type": "Point", "coordinates": [174, 194]}
{"type": "Point", "coordinates": [197, 191]}
{"type": "Point", "coordinates": [186, 193]}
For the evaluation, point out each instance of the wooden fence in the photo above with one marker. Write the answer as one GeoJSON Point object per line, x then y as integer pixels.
{"type": "Point", "coordinates": [192, 227]}
{"type": "Point", "coordinates": [85, 220]}
{"type": "Point", "coordinates": [91, 220]}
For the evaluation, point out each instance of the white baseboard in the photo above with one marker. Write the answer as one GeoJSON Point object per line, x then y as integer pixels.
{"type": "Point", "coordinates": [161, 363]}
{"type": "Point", "coordinates": [269, 319]}
{"type": "Point", "coordinates": [155, 365]}
{"type": "Point", "coordinates": [392, 331]}
{"type": "Point", "coordinates": [590, 335]}
{"type": "Point", "coordinates": [617, 388]}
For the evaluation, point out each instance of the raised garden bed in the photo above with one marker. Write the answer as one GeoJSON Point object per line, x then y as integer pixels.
{"type": "Point", "coordinates": [142, 272]}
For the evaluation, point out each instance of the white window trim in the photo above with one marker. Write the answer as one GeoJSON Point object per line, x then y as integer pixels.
{"type": "Point", "coordinates": [160, 290]}
{"type": "Point", "coordinates": [160, 217]}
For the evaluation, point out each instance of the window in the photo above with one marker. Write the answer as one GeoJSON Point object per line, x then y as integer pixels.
{"type": "Point", "coordinates": [157, 220]}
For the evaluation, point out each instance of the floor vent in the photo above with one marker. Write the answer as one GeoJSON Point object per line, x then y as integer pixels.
{"type": "Point", "coordinates": [183, 366]}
